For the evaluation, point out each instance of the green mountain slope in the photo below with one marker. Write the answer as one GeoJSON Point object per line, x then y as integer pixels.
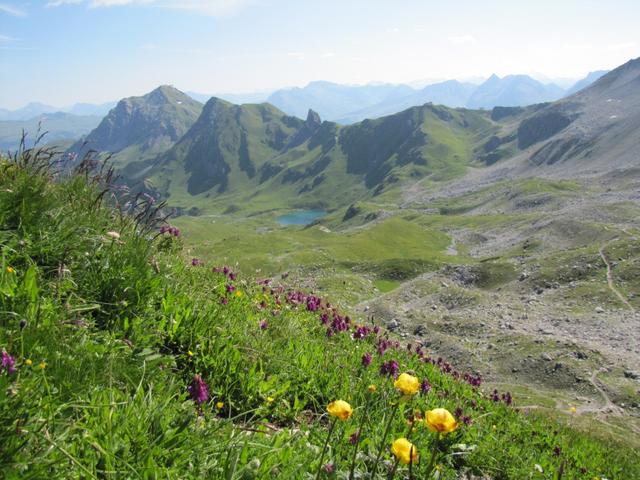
{"type": "Point", "coordinates": [258, 157]}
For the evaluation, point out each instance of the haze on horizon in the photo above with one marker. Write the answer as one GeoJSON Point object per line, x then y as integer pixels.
{"type": "Point", "coordinates": [66, 51]}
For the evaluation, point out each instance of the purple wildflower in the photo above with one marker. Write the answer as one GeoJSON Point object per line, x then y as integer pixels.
{"type": "Point", "coordinates": [224, 301]}
{"type": "Point", "coordinates": [8, 363]}
{"type": "Point", "coordinates": [361, 332]}
{"type": "Point", "coordinates": [198, 390]}
{"type": "Point", "coordinates": [366, 359]}
{"type": "Point", "coordinates": [196, 262]}
{"type": "Point", "coordinates": [329, 468]}
{"type": "Point", "coordinates": [495, 397]}
{"type": "Point", "coordinates": [389, 368]}
{"type": "Point", "coordinates": [263, 324]}
{"type": "Point", "coordinates": [425, 387]}
{"type": "Point", "coordinates": [354, 438]}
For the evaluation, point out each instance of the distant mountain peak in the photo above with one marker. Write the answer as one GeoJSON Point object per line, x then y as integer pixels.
{"type": "Point", "coordinates": [313, 118]}
{"type": "Point", "coordinates": [153, 122]}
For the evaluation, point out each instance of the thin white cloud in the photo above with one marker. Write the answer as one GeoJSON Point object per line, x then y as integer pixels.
{"type": "Point", "coordinates": [463, 39]}
{"type": "Point", "coordinates": [6, 39]}
{"type": "Point", "coordinates": [11, 10]}
{"type": "Point", "coordinates": [58, 3]}
{"type": "Point", "coordinates": [207, 7]}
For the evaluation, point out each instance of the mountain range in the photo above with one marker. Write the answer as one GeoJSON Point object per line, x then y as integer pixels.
{"type": "Point", "coordinates": [222, 155]}
{"type": "Point", "coordinates": [35, 109]}
{"type": "Point", "coordinates": [351, 103]}
{"type": "Point", "coordinates": [60, 124]}
{"type": "Point", "coordinates": [59, 127]}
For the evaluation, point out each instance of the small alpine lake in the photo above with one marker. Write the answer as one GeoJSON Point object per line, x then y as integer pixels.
{"type": "Point", "coordinates": [300, 217]}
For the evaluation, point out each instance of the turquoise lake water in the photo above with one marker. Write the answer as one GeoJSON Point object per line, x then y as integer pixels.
{"type": "Point", "coordinates": [302, 217]}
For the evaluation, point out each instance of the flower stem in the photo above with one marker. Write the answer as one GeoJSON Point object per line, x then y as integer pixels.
{"type": "Point", "coordinates": [324, 449]}
{"type": "Point", "coordinates": [382, 444]}
{"type": "Point", "coordinates": [433, 456]}
{"type": "Point", "coordinates": [358, 433]}
{"type": "Point", "coordinates": [411, 463]}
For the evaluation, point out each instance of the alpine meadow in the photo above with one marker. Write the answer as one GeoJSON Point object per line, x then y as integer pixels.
{"type": "Point", "coordinates": [427, 267]}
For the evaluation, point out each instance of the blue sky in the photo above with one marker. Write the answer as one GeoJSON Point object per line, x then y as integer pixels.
{"type": "Point", "coordinates": [66, 51]}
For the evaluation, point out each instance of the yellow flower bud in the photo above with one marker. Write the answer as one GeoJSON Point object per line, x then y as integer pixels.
{"type": "Point", "coordinates": [340, 409]}
{"type": "Point", "coordinates": [372, 388]}
{"type": "Point", "coordinates": [220, 405]}
{"type": "Point", "coordinates": [10, 270]}
{"type": "Point", "coordinates": [190, 353]}
{"type": "Point", "coordinates": [407, 384]}
{"type": "Point", "coordinates": [28, 362]}
{"type": "Point", "coordinates": [440, 420]}
{"type": "Point", "coordinates": [42, 365]}
{"type": "Point", "coordinates": [404, 451]}
{"type": "Point", "coordinates": [270, 399]}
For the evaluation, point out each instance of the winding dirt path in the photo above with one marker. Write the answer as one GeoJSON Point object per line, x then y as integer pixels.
{"type": "Point", "coordinates": [610, 283]}
{"type": "Point", "coordinates": [609, 406]}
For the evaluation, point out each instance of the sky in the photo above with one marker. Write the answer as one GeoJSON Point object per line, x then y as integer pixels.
{"type": "Point", "coordinates": [65, 51]}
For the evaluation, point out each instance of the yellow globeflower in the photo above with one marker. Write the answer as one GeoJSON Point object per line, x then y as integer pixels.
{"type": "Point", "coordinates": [441, 420]}
{"type": "Point", "coordinates": [42, 365]}
{"type": "Point", "coordinates": [10, 270]}
{"type": "Point", "coordinates": [340, 409]}
{"type": "Point", "coordinates": [270, 399]}
{"type": "Point", "coordinates": [407, 384]}
{"type": "Point", "coordinates": [404, 451]}
{"type": "Point", "coordinates": [573, 409]}
{"type": "Point", "coordinates": [28, 362]}
{"type": "Point", "coordinates": [372, 388]}
{"type": "Point", "coordinates": [219, 405]}
{"type": "Point", "coordinates": [239, 293]}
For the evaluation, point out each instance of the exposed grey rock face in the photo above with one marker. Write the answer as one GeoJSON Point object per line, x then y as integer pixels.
{"type": "Point", "coordinates": [541, 126]}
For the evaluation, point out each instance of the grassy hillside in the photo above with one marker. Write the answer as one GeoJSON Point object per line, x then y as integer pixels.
{"type": "Point", "coordinates": [124, 358]}
{"type": "Point", "coordinates": [254, 158]}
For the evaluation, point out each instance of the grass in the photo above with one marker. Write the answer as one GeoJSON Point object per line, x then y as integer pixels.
{"type": "Point", "coordinates": [387, 285]}
{"type": "Point", "coordinates": [109, 331]}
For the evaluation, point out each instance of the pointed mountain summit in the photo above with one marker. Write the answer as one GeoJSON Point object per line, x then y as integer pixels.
{"type": "Point", "coordinates": [313, 118]}
{"type": "Point", "coordinates": [140, 127]}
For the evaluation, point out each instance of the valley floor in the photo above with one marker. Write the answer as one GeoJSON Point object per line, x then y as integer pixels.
{"type": "Point", "coordinates": [532, 283]}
